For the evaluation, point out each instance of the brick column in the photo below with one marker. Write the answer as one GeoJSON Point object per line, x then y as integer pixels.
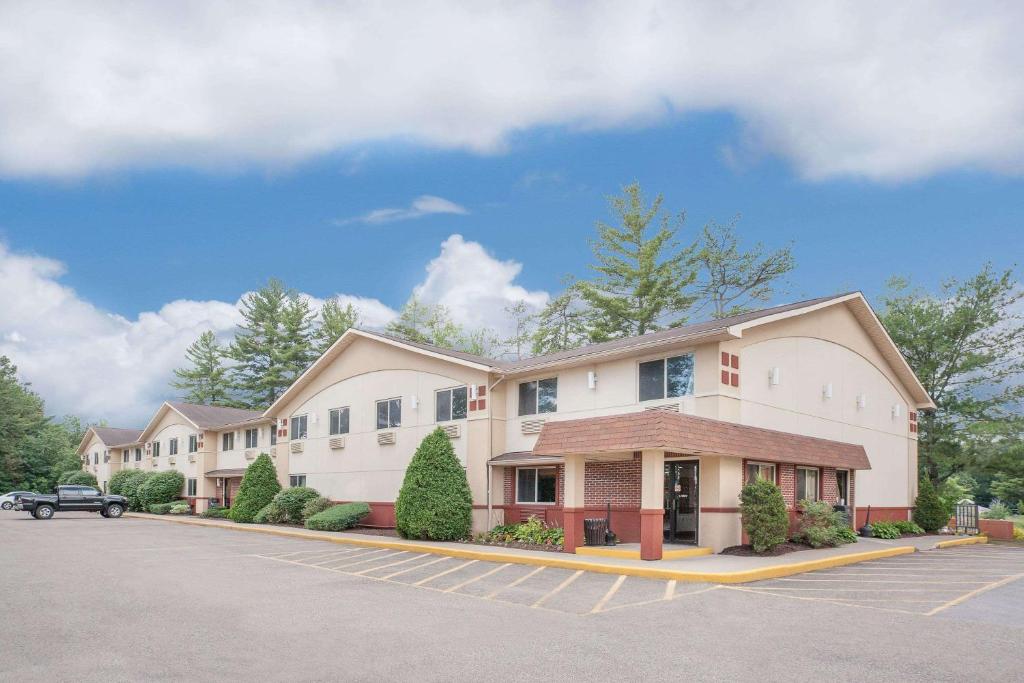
{"type": "Point", "coordinates": [652, 504]}
{"type": "Point", "coordinates": [573, 510]}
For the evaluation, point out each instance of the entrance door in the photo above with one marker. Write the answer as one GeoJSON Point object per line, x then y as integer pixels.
{"type": "Point", "coordinates": [682, 501]}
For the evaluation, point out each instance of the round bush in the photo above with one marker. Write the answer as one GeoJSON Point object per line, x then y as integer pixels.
{"type": "Point", "coordinates": [259, 486]}
{"type": "Point", "coordinates": [78, 478]}
{"type": "Point", "coordinates": [130, 489]}
{"type": "Point", "coordinates": [764, 515]}
{"type": "Point", "coordinates": [929, 512]}
{"type": "Point", "coordinates": [161, 487]}
{"type": "Point", "coordinates": [338, 517]}
{"type": "Point", "coordinates": [315, 506]}
{"type": "Point", "coordinates": [292, 500]}
{"type": "Point", "coordinates": [118, 479]}
{"type": "Point", "coordinates": [434, 501]}
{"type": "Point", "coordinates": [215, 513]}
{"type": "Point", "coordinates": [271, 513]}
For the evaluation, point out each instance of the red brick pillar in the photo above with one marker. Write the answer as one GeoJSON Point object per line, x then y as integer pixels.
{"type": "Point", "coordinates": [572, 523]}
{"type": "Point", "coordinates": [651, 531]}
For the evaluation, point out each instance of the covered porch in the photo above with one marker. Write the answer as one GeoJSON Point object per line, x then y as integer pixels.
{"type": "Point", "coordinates": [225, 485]}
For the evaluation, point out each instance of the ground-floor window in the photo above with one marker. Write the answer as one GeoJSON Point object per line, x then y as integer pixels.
{"type": "Point", "coordinates": [536, 485]}
{"type": "Point", "coordinates": [760, 470]}
{"type": "Point", "coordinates": [843, 487]}
{"type": "Point", "coordinates": [806, 483]}
{"type": "Point", "coordinates": [190, 487]}
{"type": "Point", "coordinates": [297, 480]}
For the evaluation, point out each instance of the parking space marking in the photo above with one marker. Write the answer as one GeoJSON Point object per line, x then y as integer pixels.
{"type": "Point", "coordinates": [521, 579]}
{"type": "Point", "coordinates": [609, 595]}
{"type": "Point", "coordinates": [687, 594]}
{"type": "Point", "coordinates": [419, 566]}
{"type": "Point", "coordinates": [444, 573]}
{"type": "Point", "coordinates": [742, 589]}
{"type": "Point", "coordinates": [670, 589]}
{"type": "Point", "coordinates": [557, 589]}
{"type": "Point", "coordinates": [389, 564]}
{"type": "Point", "coordinates": [979, 591]}
{"type": "Point", "coordinates": [457, 586]}
{"type": "Point", "coordinates": [370, 559]}
{"type": "Point", "coordinates": [913, 581]}
{"type": "Point", "coordinates": [375, 553]}
{"type": "Point", "coordinates": [338, 555]}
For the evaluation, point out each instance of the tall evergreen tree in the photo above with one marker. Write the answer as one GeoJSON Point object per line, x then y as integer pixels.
{"type": "Point", "coordinates": [732, 281]}
{"type": "Point", "coordinates": [21, 417]}
{"type": "Point", "coordinates": [205, 380]}
{"type": "Point", "coordinates": [642, 279]}
{"type": "Point", "coordinates": [413, 322]}
{"type": "Point", "coordinates": [562, 324]}
{"type": "Point", "coordinates": [334, 322]}
{"type": "Point", "coordinates": [523, 323]}
{"type": "Point", "coordinates": [297, 350]}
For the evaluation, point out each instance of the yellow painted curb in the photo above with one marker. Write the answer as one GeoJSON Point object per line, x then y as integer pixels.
{"type": "Point", "coordinates": [962, 541]}
{"type": "Point", "coordinates": [631, 554]}
{"type": "Point", "coordinates": [558, 560]}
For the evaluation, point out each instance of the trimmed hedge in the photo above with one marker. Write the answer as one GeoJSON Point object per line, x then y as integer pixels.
{"type": "Point", "coordinates": [929, 512]}
{"type": "Point", "coordinates": [434, 501]}
{"type": "Point", "coordinates": [164, 508]}
{"type": "Point", "coordinates": [315, 506]}
{"type": "Point", "coordinates": [338, 517]}
{"type": "Point", "coordinates": [130, 489]}
{"type": "Point", "coordinates": [118, 480]}
{"type": "Point", "coordinates": [290, 502]}
{"type": "Point", "coordinates": [161, 487]}
{"type": "Point", "coordinates": [78, 478]}
{"type": "Point", "coordinates": [215, 513]}
{"type": "Point", "coordinates": [764, 514]}
{"type": "Point", "coordinates": [259, 486]}
{"type": "Point", "coordinates": [271, 513]}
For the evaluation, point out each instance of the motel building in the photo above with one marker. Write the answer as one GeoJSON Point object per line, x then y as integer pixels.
{"type": "Point", "coordinates": [664, 428]}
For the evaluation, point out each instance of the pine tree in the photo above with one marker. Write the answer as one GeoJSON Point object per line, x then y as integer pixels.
{"type": "Point", "coordinates": [206, 380]}
{"type": "Point", "coordinates": [21, 417]}
{"type": "Point", "coordinates": [296, 352]}
{"type": "Point", "coordinates": [563, 324]}
{"type": "Point", "coordinates": [334, 322]}
{"type": "Point", "coordinates": [522, 328]}
{"type": "Point", "coordinates": [641, 279]}
{"type": "Point", "coordinates": [413, 321]}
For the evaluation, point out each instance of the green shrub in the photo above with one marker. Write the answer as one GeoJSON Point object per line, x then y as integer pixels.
{"type": "Point", "coordinates": [259, 486]}
{"type": "Point", "coordinates": [997, 511]}
{"type": "Point", "coordinates": [271, 513]}
{"type": "Point", "coordinates": [929, 512]}
{"type": "Point", "coordinates": [118, 479]}
{"type": "Point", "coordinates": [161, 487]}
{"type": "Point", "coordinates": [1018, 533]}
{"type": "Point", "coordinates": [907, 527]}
{"type": "Point", "coordinates": [820, 525]}
{"type": "Point", "coordinates": [163, 508]}
{"type": "Point", "coordinates": [291, 501]}
{"type": "Point", "coordinates": [532, 531]}
{"type": "Point", "coordinates": [885, 529]}
{"type": "Point", "coordinates": [844, 534]}
{"type": "Point", "coordinates": [434, 501]}
{"type": "Point", "coordinates": [764, 515]}
{"type": "Point", "coordinates": [131, 487]}
{"type": "Point", "coordinates": [338, 517]}
{"type": "Point", "coordinates": [78, 478]}
{"type": "Point", "coordinates": [215, 513]}
{"type": "Point", "coordinates": [180, 508]}
{"type": "Point", "coordinates": [314, 506]}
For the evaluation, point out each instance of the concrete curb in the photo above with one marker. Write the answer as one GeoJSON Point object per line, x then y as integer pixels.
{"type": "Point", "coordinates": [961, 541]}
{"type": "Point", "coordinates": [653, 572]}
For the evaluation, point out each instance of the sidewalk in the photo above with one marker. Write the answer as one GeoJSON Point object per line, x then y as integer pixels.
{"type": "Point", "coordinates": [705, 568]}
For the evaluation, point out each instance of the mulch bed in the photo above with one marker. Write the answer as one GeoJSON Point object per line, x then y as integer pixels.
{"type": "Point", "coordinates": [520, 546]}
{"type": "Point", "coordinates": [781, 549]}
{"type": "Point", "coordinates": [372, 531]}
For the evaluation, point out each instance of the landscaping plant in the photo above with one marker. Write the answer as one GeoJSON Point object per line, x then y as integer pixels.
{"type": "Point", "coordinates": [215, 513]}
{"type": "Point", "coordinates": [164, 508]}
{"type": "Point", "coordinates": [180, 508]}
{"type": "Point", "coordinates": [907, 527]}
{"type": "Point", "coordinates": [290, 502]}
{"type": "Point", "coordinates": [161, 487]}
{"type": "Point", "coordinates": [929, 512]}
{"type": "Point", "coordinates": [315, 506]}
{"type": "Point", "coordinates": [999, 510]}
{"type": "Point", "coordinates": [119, 479]}
{"type": "Point", "coordinates": [270, 513]}
{"type": "Point", "coordinates": [533, 531]}
{"type": "Point", "coordinates": [764, 515]}
{"type": "Point", "coordinates": [434, 501]}
{"type": "Point", "coordinates": [130, 489]}
{"type": "Point", "coordinates": [820, 524]}
{"type": "Point", "coordinates": [78, 478]}
{"type": "Point", "coordinates": [259, 486]}
{"type": "Point", "coordinates": [338, 517]}
{"type": "Point", "coordinates": [885, 530]}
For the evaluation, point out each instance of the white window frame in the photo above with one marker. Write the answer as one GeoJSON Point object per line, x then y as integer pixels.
{"type": "Point", "coordinates": [664, 376]}
{"type": "Point", "coordinates": [388, 401]}
{"type": "Point", "coordinates": [190, 488]}
{"type": "Point", "coordinates": [536, 396]}
{"type": "Point", "coordinates": [156, 450]}
{"type": "Point", "coordinates": [172, 446]}
{"type": "Point", "coordinates": [759, 465]}
{"type": "Point", "coordinates": [126, 455]}
{"type": "Point", "coordinates": [330, 420]}
{"type": "Point", "coordinates": [255, 432]}
{"type": "Point", "coordinates": [304, 418]}
{"type": "Point", "coordinates": [451, 403]}
{"type": "Point", "coordinates": [296, 480]}
{"type": "Point", "coordinates": [224, 438]}
{"type": "Point", "coordinates": [193, 443]}
{"type": "Point", "coordinates": [138, 454]}
{"type": "Point", "coordinates": [536, 486]}
{"type": "Point", "coordinates": [273, 434]}
{"type": "Point", "coordinates": [817, 483]}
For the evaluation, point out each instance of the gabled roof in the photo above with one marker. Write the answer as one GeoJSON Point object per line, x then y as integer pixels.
{"type": "Point", "coordinates": [203, 417]}
{"type": "Point", "coordinates": [675, 432]}
{"type": "Point", "coordinates": [112, 437]}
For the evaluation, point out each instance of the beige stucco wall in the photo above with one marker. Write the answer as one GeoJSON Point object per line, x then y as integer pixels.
{"type": "Point", "coordinates": [95, 448]}
{"type": "Point", "coordinates": [238, 456]}
{"type": "Point", "coordinates": [173, 425]}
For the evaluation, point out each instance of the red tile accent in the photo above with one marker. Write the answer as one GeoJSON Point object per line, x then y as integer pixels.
{"type": "Point", "coordinates": [481, 404]}
{"type": "Point", "coordinates": [481, 390]}
{"type": "Point", "coordinates": [725, 358]}
{"type": "Point", "coordinates": [735, 379]}
{"type": "Point", "coordinates": [472, 405]}
{"type": "Point", "coordinates": [735, 362]}
{"type": "Point", "coordinates": [913, 416]}
{"type": "Point", "coordinates": [725, 376]}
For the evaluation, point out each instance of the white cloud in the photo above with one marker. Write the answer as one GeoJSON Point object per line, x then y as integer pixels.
{"type": "Point", "coordinates": [424, 205]}
{"type": "Point", "coordinates": [878, 90]}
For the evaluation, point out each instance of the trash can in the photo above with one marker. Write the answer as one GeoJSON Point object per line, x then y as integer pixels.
{"type": "Point", "coordinates": [845, 511]}
{"type": "Point", "coordinates": [594, 531]}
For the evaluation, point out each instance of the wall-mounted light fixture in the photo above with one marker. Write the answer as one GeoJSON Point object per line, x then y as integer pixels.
{"type": "Point", "coordinates": [473, 393]}
{"type": "Point", "coordinates": [591, 380]}
{"type": "Point", "coordinates": [897, 410]}
{"type": "Point", "coordinates": [862, 401]}
{"type": "Point", "coordinates": [415, 401]}
{"type": "Point", "coordinates": [773, 376]}
{"type": "Point", "coordinates": [826, 391]}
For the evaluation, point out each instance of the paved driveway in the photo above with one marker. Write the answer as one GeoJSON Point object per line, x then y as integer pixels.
{"type": "Point", "coordinates": [92, 599]}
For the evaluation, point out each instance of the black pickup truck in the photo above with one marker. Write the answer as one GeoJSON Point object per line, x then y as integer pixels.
{"type": "Point", "coordinates": [73, 499]}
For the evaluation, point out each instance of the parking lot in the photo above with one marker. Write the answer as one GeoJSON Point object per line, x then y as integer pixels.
{"type": "Point", "coordinates": [130, 599]}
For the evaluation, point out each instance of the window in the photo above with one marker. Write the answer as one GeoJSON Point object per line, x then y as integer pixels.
{"type": "Point", "coordinates": [190, 487]}
{"type": "Point", "coordinates": [193, 443]}
{"type": "Point", "coordinates": [389, 413]}
{"type": "Point", "coordinates": [138, 454]}
{"type": "Point", "coordinates": [252, 438]}
{"type": "Point", "coordinates": [126, 455]}
{"type": "Point", "coordinates": [806, 483]}
{"type": "Point", "coordinates": [299, 423]}
{"type": "Point", "coordinates": [89, 491]}
{"type": "Point", "coordinates": [843, 487]}
{"type": "Point", "coordinates": [297, 480]}
{"type": "Point", "coordinates": [227, 441]}
{"type": "Point", "coordinates": [273, 434]}
{"type": "Point", "coordinates": [535, 485]}
{"type": "Point", "coordinates": [156, 449]}
{"type": "Point", "coordinates": [760, 470]}
{"type": "Point", "coordinates": [538, 397]}
{"type": "Point", "coordinates": [450, 404]}
{"type": "Point", "coordinates": [96, 458]}
{"type": "Point", "coordinates": [339, 420]}
{"type": "Point", "coordinates": [666, 377]}
{"type": "Point", "coordinates": [172, 446]}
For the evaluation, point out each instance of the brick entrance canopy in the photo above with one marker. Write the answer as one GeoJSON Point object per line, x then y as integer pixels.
{"type": "Point", "coordinates": [653, 433]}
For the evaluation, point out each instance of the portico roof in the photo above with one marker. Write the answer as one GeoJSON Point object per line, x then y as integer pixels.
{"type": "Point", "coordinates": [675, 432]}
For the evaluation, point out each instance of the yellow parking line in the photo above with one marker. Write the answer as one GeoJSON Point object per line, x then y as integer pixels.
{"type": "Point", "coordinates": [452, 589]}
{"type": "Point", "coordinates": [744, 589]}
{"type": "Point", "coordinates": [446, 571]}
{"type": "Point", "coordinates": [557, 589]}
{"type": "Point", "coordinates": [608, 596]}
{"type": "Point", "coordinates": [390, 564]}
{"type": "Point", "coordinates": [913, 581]}
{"type": "Point", "coordinates": [855, 590]}
{"type": "Point", "coordinates": [412, 569]}
{"type": "Point", "coordinates": [300, 552]}
{"type": "Point", "coordinates": [515, 583]}
{"type": "Point", "coordinates": [670, 589]}
{"type": "Point", "coordinates": [370, 559]}
{"type": "Point", "coordinates": [979, 591]}
{"type": "Point", "coordinates": [336, 558]}
{"type": "Point", "coordinates": [651, 602]}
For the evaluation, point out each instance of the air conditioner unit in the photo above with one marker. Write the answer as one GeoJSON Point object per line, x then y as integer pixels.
{"type": "Point", "coordinates": [191, 457]}
{"type": "Point", "coordinates": [297, 446]}
{"type": "Point", "coordinates": [451, 430]}
{"type": "Point", "coordinates": [250, 454]}
{"type": "Point", "coordinates": [155, 462]}
{"type": "Point", "coordinates": [386, 438]}
{"type": "Point", "coordinates": [336, 443]}
{"type": "Point", "coordinates": [171, 460]}
{"type": "Point", "coordinates": [532, 426]}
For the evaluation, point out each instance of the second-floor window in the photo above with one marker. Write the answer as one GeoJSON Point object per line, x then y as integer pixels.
{"type": "Point", "coordinates": [339, 420]}
{"type": "Point", "coordinates": [156, 449]}
{"type": "Point", "coordinates": [138, 454]}
{"type": "Point", "coordinates": [666, 377]}
{"type": "Point", "coordinates": [539, 396]}
{"type": "Point", "coordinates": [450, 404]}
{"type": "Point", "coordinates": [96, 458]}
{"type": "Point", "coordinates": [172, 446]}
{"type": "Point", "coordinates": [193, 443]}
{"type": "Point", "coordinates": [227, 441]}
{"type": "Point", "coordinates": [273, 434]}
{"type": "Point", "coordinates": [389, 413]}
{"type": "Point", "coordinates": [252, 437]}
{"type": "Point", "coordinates": [300, 427]}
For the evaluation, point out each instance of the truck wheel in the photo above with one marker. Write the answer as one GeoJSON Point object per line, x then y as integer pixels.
{"type": "Point", "coordinates": [44, 512]}
{"type": "Point", "coordinates": [7, 505]}
{"type": "Point", "coordinates": [114, 510]}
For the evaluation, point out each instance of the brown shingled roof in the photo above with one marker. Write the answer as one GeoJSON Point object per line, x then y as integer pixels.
{"type": "Point", "coordinates": [115, 436]}
{"type": "Point", "coordinates": [689, 434]}
{"type": "Point", "coordinates": [209, 417]}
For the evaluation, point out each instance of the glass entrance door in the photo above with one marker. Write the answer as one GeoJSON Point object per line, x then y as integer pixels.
{"type": "Point", "coordinates": [682, 502]}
